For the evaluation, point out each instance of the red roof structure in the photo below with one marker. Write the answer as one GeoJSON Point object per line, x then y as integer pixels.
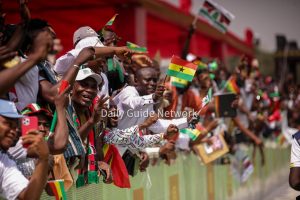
{"type": "Point", "coordinates": [152, 23]}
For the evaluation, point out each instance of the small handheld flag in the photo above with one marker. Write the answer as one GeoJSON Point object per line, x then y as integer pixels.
{"type": "Point", "coordinates": [218, 16]}
{"type": "Point", "coordinates": [201, 65]}
{"type": "Point", "coordinates": [231, 85]}
{"type": "Point", "coordinates": [64, 84]}
{"type": "Point", "coordinates": [182, 69]}
{"type": "Point", "coordinates": [111, 21]}
{"type": "Point", "coordinates": [136, 47]}
{"type": "Point", "coordinates": [113, 65]}
{"type": "Point", "coordinates": [193, 133]}
{"type": "Point", "coordinates": [207, 98]}
{"type": "Point", "coordinates": [118, 167]}
{"type": "Point", "coordinates": [58, 189]}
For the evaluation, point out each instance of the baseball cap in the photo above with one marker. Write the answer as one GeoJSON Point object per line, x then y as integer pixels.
{"type": "Point", "coordinates": [83, 32]}
{"type": "Point", "coordinates": [8, 109]}
{"type": "Point", "coordinates": [33, 109]}
{"type": "Point", "coordinates": [87, 72]}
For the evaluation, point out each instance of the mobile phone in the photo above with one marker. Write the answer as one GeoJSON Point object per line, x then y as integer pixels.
{"type": "Point", "coordinates": [29, 123]}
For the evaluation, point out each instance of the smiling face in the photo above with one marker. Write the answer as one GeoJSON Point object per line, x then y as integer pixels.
{"type": "Point", "coordinates": [146, 79]}
{"type": "Point", "coordinates": [9, 132]}
{"type": "Point", "coordinates": [84, 92]}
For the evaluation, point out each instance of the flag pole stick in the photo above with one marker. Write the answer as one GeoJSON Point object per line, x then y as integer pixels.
{"type": "Point", "coordinates": [165, 78]}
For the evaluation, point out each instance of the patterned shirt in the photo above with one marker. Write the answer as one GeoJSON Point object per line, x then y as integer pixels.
{"type": "Point", "coordinates": [131, 138]}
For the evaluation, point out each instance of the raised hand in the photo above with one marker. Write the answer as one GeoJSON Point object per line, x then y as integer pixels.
{"type": "Point", "coordinates": [124, 53]}
{"type": "Point", "coordinates": [99, 108]}
{"type": "Point", "coordinates": [61, 100]}
{"type": "Point", "coordinates": [42, 45]}
{"type": "Point", "coordinates": [141, 60]}
{"type": "Point", "coordinates": [37, 146]}
{"type": "Point", "coordinates": [159, 92]}
{"type": "Point", "coordinates": [24, 11]}
{"type": "Point", "coordinates": [86, 54]}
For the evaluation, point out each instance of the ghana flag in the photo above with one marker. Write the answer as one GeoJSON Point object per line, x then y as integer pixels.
{"type": "Point", "coordinates": [58, 189]}
{"type": "Point", "coordinates": [201, 65]}
{"type": "Point", "coordinates": [111, 21]}
{"type": "Point", "coordinates": [193, 133]}
{"type": "Point", "coordinates": [181, 69]}
{"type": "Point", "coordinates": [231, 86]}
{"type": "Point", "coordinates": [136, 47]}
{"type": "Point", "coordinates": [178, 82]}
{"type": "Point", "coordinates": [117, 165]}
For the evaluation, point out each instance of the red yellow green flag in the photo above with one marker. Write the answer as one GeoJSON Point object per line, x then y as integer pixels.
{"type": "Point", "coordinates": [201, 65]}
{"type": "Point", "coordinates": [111, 21]}
{"type": "Point", "coordinates": [193, 133]}
{"type": "Point", "coordinates": [58, 189]}
{"type": "Point", "coordinates": [216, 15]}
{"type": "Point", "coordinates": [231, 85]}
{"type": "Point", "coordinates": [178, 82]}
{"type": "Point", "coordinates": [136, 47]}
{"type": "Point", "coordinates": [182, 69]}
{"type": "Point", "coordinates": [117, 165]}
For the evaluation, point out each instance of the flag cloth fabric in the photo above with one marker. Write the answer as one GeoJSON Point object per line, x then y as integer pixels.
{"type": "Point", "coordinates": [207, 98]}
{"type": "Point", "coordinates": [181, 69]}
{"type": "Point", "coordinates": [193, 133]}
{"type": "Point", "coordinates": [201, 65]}
{"type": "Point", "coordinates": [113, 65]}
{"type": "Point", "coordinates": [218, 16]}
{"type": "Point", "coordinates": [178, 82]}
{"type": "Point", "coordinates": [117, 165]}
{"type": "Point", "coordinates": [58, 189]}
{"type": "Point", "coordinates": [136, 47]}
{"type": "Point", "coordinates": [111, 21]}
{"type": "Point", "coordinates": [231, 85]}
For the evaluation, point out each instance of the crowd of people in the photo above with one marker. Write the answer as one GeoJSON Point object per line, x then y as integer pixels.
{"type": "Point", "coordinates": [104, 110]}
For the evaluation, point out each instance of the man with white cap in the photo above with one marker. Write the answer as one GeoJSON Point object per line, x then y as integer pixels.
{"type": "Point", "coordinates": [13, 185]}
{"type": "Point", "coordinates": [86, 37]}
{"type": "Point", "coordinates": [84, 92]}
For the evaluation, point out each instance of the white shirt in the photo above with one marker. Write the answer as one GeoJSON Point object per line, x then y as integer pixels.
{"type": "Point", "coordinates": [104, 89]}
{"type": "Point", "coordinates": [63, 63]}
{"type": "Point", "coordinates": [134, 109]}
{"type": "Point", "coordinates": [295, 153]}
{"type": "Point", "coordinates": [26, 89]}
{"type": "Point", "coordinates": [12, 182]}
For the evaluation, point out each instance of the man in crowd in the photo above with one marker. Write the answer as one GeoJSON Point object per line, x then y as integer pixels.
{"type": "Point", "coordinates": [13, 185]}
{"type": "Point", "coordinates": [87, 121]}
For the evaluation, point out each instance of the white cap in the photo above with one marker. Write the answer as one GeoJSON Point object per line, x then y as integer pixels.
{"type": "Point", "coordinates": [87, 72]}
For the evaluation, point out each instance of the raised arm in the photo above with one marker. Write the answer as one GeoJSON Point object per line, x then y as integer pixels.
{"type": "Point", "coordinates": [38, 148]}
{"type": "Point", "coordinates": [48, 91]}
{"type": "Point", "coordinates": [57, 143]}
{"type": "Point", "coordinates": [9, 77]}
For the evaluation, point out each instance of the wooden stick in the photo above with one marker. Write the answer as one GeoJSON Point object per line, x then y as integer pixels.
{"type": "Point", "coordinates": [165, 78]}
